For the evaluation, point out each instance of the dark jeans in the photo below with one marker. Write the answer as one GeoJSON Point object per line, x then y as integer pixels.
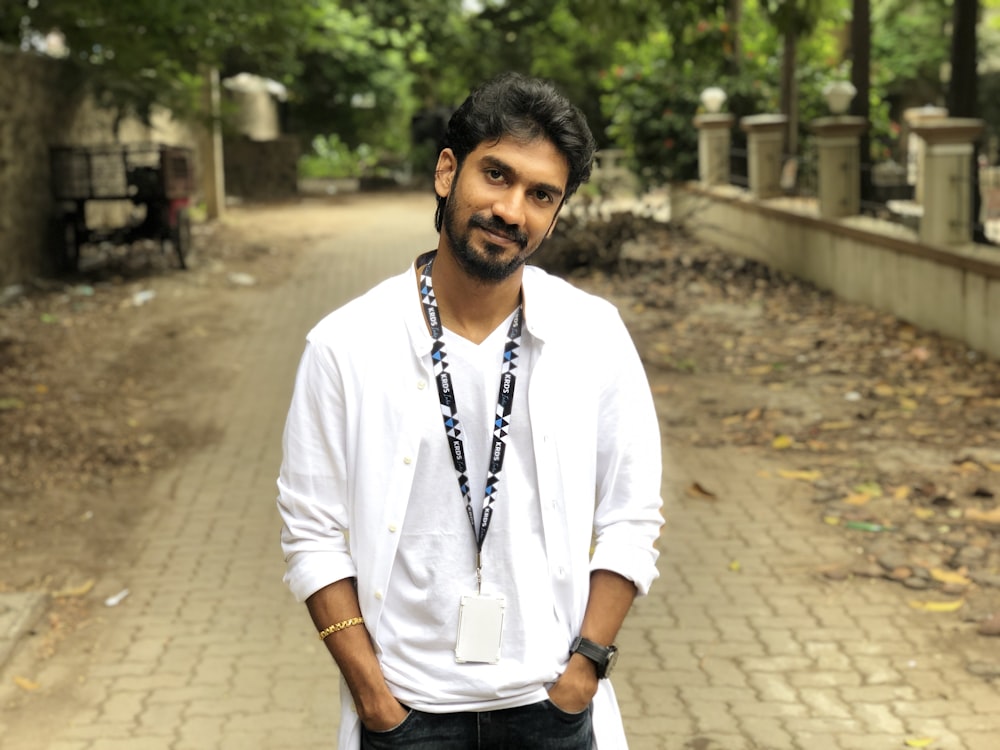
{"type": "Point", "coordinates": [540, 726]}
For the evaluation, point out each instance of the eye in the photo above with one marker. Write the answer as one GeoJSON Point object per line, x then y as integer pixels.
{"type": "Point", "coordinates": [494, 174]}
{"type": "Point", "coordinates": [542, 196]}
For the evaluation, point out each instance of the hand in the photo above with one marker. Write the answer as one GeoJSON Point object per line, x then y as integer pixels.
{"type": "Point", "coordinates": [388, 716]}
{"type": "Point", "coordinates": [576, 687]}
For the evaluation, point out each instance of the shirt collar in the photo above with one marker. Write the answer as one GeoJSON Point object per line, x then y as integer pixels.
{"type": "Point", "coordinates": [538, 315]}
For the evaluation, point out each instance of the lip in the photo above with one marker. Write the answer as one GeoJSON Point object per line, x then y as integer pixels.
{"type": "Point", "coordinates": [498, 239]}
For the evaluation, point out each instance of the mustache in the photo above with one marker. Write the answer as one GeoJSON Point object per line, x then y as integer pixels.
{"type": "Point", "coordinates": [499, 226]}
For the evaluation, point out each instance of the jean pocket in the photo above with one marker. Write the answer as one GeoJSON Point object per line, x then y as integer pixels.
{"type": "Point", "coordinates": [393, 730]}
{"type": "Point", "coordinates": [571, 715]}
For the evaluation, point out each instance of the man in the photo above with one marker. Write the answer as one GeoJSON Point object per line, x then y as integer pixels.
{"type": "Point", "coordinates": [470, 484]}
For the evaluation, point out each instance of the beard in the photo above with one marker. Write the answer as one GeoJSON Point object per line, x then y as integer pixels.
{"type": "Point", "coordinates": [488, 264]}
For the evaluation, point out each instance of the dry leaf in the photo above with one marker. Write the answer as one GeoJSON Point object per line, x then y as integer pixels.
{"type": "Point", "coordinates": [82, 590]}
{"type": "Point", "coordinates": [841, 425]}
{"type": "Point", "coordinates": [923, 513]}
{"type": "Point", "coordinates": [697, 490]}
{"type": "Point", "coordinates": [952, 606]}
{"type": "Point", "coordinates": [731, 420]}
{"type": "Point", "coordinates": [857, 498]}
{"type": "Point", "coordinates": [966, 392]}
{"type": "Point", "coordinates": [805, 476]}
{"type": "Point", "coordinates": [919, 741]}
{"type": "Point", "coordinates": [869, 488]}
{"type": "Point", "coordinates": [25, 684]}
{"type": "Point", "coordinates": [884, 390]}
{"type": "Point", "coordinates": [908, 404]}
{"type": "Point", "coordinates": [782, 441]}
{"type": "Point", "coordinates": [902, 493]}
{"type": "Point", "coordinates": [988, 517]}
{"type": "Point", "coordinates": [966, 466]}
{"type": "Point", "coordinates": [949, 576]}
{"type": "Point", "coordinates": [753, 415]}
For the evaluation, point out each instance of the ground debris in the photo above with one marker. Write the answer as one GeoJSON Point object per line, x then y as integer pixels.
{"type": "Point", "coordinates": [895, 427]}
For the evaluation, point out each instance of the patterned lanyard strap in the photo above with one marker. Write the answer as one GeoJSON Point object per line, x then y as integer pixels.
{"type": "Point", "coordinates": [449, 409]}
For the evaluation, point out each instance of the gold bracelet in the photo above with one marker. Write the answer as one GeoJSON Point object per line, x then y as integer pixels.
{"type": "Point", "coordinates": [337, 626]}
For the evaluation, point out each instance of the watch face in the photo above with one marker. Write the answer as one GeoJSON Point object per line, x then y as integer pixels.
{"type": "Point", "coordinates": [612, 660]}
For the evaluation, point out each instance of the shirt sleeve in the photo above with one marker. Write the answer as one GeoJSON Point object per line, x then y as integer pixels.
{"type": "Point", "coordinates": [312, 484]}
{"type": "Point", "coordinates": [628, 517]}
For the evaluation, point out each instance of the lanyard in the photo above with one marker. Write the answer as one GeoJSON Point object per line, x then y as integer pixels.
{"type": "Point", "coordinates": [449, 411]}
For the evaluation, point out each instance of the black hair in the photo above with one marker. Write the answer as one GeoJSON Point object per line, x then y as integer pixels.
{"type": "Point", "coordinates": [526, 109]}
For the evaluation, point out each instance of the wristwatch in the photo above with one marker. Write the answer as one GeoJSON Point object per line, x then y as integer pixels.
{"type": "Point", "coordinates": [604, 657]}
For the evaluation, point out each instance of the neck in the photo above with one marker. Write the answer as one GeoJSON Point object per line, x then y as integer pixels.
{"type": "Point", "coordinates": [470, 307]}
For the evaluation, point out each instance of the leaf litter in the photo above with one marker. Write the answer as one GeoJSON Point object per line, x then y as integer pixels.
{"type": "Point", "coordinates": [897, 428]}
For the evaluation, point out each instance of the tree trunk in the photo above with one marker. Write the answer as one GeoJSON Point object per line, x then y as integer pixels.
{"type": "Point", "coordinates": [963, 100]}
{"type": "Point", "coordinates": [789, 95]}
{"type": "Point", "coordinates": [861, 42]}
{"type": "Point", "coordinates": [734, 15]}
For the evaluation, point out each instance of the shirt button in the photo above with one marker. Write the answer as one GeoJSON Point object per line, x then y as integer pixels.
{"type": "Point", "coordinates": [561, 572]}
{"type": "Point", "coordinates": [407, 460]}
{"type": "Point", "coordinates": [392, 528]}
{"type": "Point", "coordinates": [378, 594]}
{"type": "Point", "coordinates": [421, 384]}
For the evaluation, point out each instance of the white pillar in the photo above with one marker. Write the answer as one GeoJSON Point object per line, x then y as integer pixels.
{"type": "Point", "coordinates": [714, 142]}
{"type": "Point", "coordinates": [912, 118]}
{"type": "Point", "coordinates": [765, 136]}
{"type": "Point", "coordinates": [947, 179]}
{"type": "Point", "coordinates": [838, 140]}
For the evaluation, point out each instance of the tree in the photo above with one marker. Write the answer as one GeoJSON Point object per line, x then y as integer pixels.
{"type": "Point", "coordinates": [143, 52]}
{"type": "Point", "coordinates": [793, 19]}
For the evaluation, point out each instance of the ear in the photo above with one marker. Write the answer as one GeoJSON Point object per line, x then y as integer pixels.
{"type": "Point", "coordinates": [444, 173]}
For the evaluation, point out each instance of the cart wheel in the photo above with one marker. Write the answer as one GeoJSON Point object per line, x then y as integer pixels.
{"type": "Point", "coordinates": [180, 236]}
{"type": "Point", "coordinates": [71, 244]}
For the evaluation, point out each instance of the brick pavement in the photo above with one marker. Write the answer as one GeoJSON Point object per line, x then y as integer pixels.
{"type": "Point", "coordinates": [211, 653]}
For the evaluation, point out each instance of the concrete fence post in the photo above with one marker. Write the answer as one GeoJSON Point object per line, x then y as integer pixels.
{"type": "Point", "coordinates": [765, 134]}
{"type": "Point", "coordinates": [714, 142]}
{"type": "Point", "coordinates": [838, 140]}
{"type": "Point", "coordinates": [947, 179]}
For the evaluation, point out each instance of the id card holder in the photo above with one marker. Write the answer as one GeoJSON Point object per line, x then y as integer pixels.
{"type": "Point", "coordinates": [480, 627]}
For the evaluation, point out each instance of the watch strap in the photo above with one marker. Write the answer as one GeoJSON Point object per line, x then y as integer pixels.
{"type": "Point", "coordinates": [597, 653]}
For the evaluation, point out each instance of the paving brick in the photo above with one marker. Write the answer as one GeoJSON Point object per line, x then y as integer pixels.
{"type": "Point", "coordinates": [769, 733]}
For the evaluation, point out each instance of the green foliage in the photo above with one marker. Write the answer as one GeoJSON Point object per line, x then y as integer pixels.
{"type": "Point", "coordinates": [794, 17]}
{"type": "Point", "coordinates": [651, 97]}
{"type": "Point", "coordinates": [331, 158]}
{"type": "Point", "coordinates": [636, 67]}
{"type": "Point", "coordinates": [145, 52]}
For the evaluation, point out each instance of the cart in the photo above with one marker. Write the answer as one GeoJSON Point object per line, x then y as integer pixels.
{"type": "Point", "coordinates": [157, 180]}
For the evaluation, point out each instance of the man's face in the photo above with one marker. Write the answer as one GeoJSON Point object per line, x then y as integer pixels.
{"type": "Point", "coordinates": [501, 204]}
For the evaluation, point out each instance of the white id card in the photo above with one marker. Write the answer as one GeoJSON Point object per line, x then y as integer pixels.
{"type": "Point", "coordinates": [480, 626]}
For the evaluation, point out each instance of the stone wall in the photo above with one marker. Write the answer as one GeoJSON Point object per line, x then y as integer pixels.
{"type": "Point", "coordinates": [261, 170]}
{"type": "Point", "coordinates": [41, 105]}
{"type": "Point", "coordinates": [954, 290]}
{"type": "Point", "coordinates": [38, 103]}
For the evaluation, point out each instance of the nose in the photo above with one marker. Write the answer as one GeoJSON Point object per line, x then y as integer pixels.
{"type": "Point", "coordinates": [510, 208]}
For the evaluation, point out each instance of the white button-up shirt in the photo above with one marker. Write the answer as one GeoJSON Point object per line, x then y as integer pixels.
{"type": "Point", "coordinates": [364, 399]}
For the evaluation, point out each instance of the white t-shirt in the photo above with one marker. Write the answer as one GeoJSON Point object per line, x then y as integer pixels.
{"type": "Point", "coordinates": [435, 564]}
